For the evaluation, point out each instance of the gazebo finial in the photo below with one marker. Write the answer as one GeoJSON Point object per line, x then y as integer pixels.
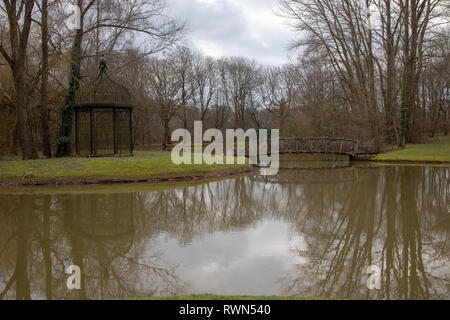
{"type": "Point", "coordinates": [103, 65]}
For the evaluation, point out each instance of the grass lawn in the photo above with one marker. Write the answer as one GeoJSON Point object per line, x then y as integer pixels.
{"type": "Point", "coordinates": [438, 150]}
{"type": "Point", "coordinates": [215, 297]}
{"type": "Point", "coordinates": [142, 165]}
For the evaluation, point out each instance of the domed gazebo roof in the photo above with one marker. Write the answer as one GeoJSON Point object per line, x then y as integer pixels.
{"type": "Point", "coordinates": [103, 91]}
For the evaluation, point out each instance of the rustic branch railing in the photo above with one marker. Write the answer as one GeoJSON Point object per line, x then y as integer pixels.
{"type": "Point", "coordinates": [319, 145]}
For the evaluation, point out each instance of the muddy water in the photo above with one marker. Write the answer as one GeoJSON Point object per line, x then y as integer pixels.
{"type": "Point", "coordinates": [309, 232]}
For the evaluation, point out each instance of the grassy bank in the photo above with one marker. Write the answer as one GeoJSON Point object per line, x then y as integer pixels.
{"type": "Point", "coordinates": [216, 297]}
{"type": "Point", "coordinates": [437, 150]}
{"type": "Point", "coordinates": [144, 166]}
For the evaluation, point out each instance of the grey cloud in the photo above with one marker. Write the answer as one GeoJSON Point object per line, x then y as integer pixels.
{"type": "Point", "coordinates": [225, 26]}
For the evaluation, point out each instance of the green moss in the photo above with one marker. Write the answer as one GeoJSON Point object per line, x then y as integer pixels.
{"type": "Point", "coordinates": [216, 297]}
{"type": "Point", "coordinates": [142, 165]}
{"type": "Point", "coordinates": [438, 150]}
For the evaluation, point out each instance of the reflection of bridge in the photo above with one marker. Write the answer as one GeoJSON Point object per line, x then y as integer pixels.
{"type": "Point", "coordinates": [319, 145]}
{"type": "Point", "coordinates": [311, 176]}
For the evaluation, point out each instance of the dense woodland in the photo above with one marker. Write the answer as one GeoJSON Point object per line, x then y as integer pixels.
{"type": "Point", "coordinates": [377, 70]}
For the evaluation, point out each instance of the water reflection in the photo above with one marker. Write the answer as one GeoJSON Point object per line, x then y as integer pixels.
{"type": "Point", "coordinates": [42, 236]}
{"type": "Point", "coordinates": [302, 232]}
{"type": "Point", "coordinates": [395, 218]}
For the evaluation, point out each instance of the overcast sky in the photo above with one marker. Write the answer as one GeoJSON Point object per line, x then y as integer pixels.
{"type": "Point", "coordinates": [248, 28]}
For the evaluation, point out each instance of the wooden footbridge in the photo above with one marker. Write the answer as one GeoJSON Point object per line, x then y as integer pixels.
{"type": "Point", "coordinates": [319, 145]}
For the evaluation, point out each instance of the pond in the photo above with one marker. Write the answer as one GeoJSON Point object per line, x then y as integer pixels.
{"type": "Point", "coordinates": [304, 232]}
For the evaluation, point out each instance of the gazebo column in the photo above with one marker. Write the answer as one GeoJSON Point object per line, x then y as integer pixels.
{"type": "Point", "coordinates": [76, 132]}
{"type": "Point", "coordinates": [131, 131]}
{"type": "Point", "coordinates": [115, 130]}
{"type": "Point", "coordinates": [91, 130]}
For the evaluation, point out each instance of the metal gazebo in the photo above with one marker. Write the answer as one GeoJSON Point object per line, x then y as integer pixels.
{"type": "Point", "coordinates": [103, 118]}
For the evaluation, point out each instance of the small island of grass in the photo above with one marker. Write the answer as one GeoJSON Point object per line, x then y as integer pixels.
{"type": "Point", "coordinates": [145, 166]}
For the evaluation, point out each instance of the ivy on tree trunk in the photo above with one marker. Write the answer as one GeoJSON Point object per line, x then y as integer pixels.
{"type": "Point", "coordinates": [66, 111]}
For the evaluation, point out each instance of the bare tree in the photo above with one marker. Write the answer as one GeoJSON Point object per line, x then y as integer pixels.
{"type": "Point", "coordinates": [204, 84]}
{"type": "Point", "coordinates": [277, 92]}
{"type": "Point", "coordinates": [45, 134]}
{"type": "Point", "coordinates": [19, 15]}
{"type": "Point", "coordinates": [390, 18]}
{"type": "Point", "coordinates": [434, 85]}
{"type": "Point", "coordinates": [165, 88]}
{"type": "Point", "coordinates": [417, 16]}
{"type": "Point", "coordinates": [182, 58]}
{"type": "Point", "coordinates": [238, 77]}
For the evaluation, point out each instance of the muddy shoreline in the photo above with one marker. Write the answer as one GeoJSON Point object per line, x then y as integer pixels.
{"type": "Point", "coordinates": [151, 179]}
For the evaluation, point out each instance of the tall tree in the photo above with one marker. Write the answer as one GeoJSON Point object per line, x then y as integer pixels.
{"type": "Point", "coordinates": [204, 84]}
{"type": "Point", "coordinates": [66, 111]}
{"type": "Point", "coordinates": [277, 92]}
{"type": "Point", "coordinates": [239, 79]}
{"type": "Point", "coordinates": [390, 18]}
{"type": "Point", "coordinates": [165, 89]}
{"type": "Point", "coordinates": [183, 65]}
{"type": "Point", "coordinates": [19, 15]}
{"type": "Point", "coordinates": [45, 135]}
{"type": "Point", "coordinates": [417, 16]}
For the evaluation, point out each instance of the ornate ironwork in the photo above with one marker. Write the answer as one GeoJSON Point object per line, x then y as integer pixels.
{"type": "Point", "coordinates": [103, 117]}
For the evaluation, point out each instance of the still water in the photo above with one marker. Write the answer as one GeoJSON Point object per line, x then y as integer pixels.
{"type": "Point", "coordinates": [309, 232]}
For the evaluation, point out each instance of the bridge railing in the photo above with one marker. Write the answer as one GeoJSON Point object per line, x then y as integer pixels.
{"type": "Point", "coordinates": [319, 145]}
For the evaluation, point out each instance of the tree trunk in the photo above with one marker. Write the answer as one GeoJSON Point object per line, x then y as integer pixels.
{"type": "Point", "coordinates": [22, 115]}
{"type": "Point", "coordinates": [45, 135]}
{"type": "Point", "coordinates": [413, 72]}
{"type": "Point", "coordinates": [65, 132]}
{"type": "Point", "coordinates": [184, 104]}
{"type": "Point", "coordinates": [166, 136]}
{"type": "Point", "coordinates": [391, 98]}
{"type": "Point", "coordinates": [406, 77]}
{"type": "Point", "coordinates": [446, 123]}
{"type": "Point", "coordinates": [372, 91]}
{"type": "Point", "coordinates": [18, 37]}
{"type": "Point", "coordinates": [403, 113]}
{"type": "Point", "coordinates": [14, 138]}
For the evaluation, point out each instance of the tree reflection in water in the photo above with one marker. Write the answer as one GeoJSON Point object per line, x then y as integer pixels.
{"type": "Point", "coordinates": [341, 220]}
{"type": "Point", "coordinates": [46, 234]}
{"type": "Point", "coordinates": [394, 217]}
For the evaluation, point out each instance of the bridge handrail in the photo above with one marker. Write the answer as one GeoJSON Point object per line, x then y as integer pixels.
{"type": "Point", "coordinates": [321, 145]}
{"type": "Point", "coordinates": [319, 138]}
